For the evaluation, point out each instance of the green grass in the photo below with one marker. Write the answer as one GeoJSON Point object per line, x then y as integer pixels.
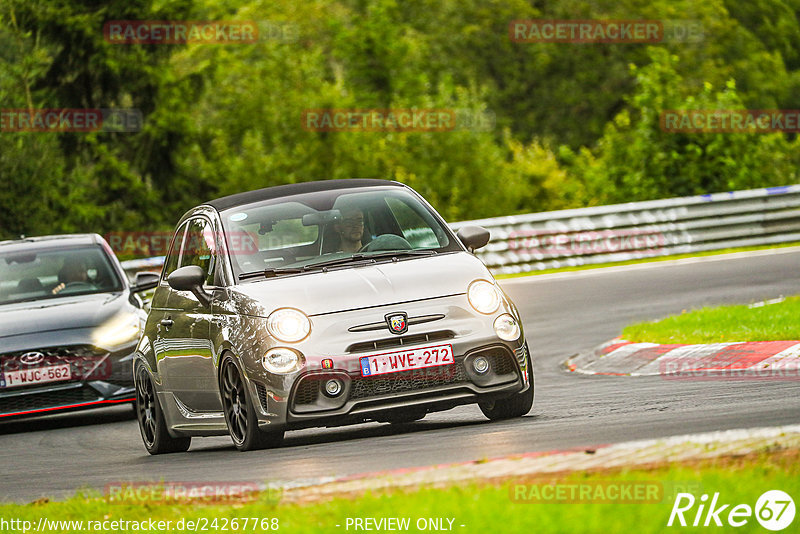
{"type": "Point", "coordinates": [650, 260]}
{"type": "Point", "coordinates": [771, 322]}
{"type": "Point", "coordinates": [482, 509]}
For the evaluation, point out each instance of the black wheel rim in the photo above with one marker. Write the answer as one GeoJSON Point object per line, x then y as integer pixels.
{"type": "Point", "coordinates": [233, 396]}
{"type": "Point", "coordinates": [146, 407]}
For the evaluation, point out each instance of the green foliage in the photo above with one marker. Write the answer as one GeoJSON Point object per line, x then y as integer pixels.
{"type": "Point", "coordinates": [576, 124]}
{"type": "Point", "coordinates": [636, 159]}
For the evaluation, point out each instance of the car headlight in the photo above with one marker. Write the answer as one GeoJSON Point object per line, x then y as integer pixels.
{"type": "Point", "coordinates": [289, 325]}
{"type": "Point", "coordinates": [506, 327]}
{"type": "Point", "coordinates": [483, 296]}
{"type": "Point", "coordinates": [120, 329]}
{"type": "Point", "coordinates": [281, 360]}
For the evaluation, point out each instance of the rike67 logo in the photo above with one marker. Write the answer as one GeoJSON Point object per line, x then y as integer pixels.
{"type": "Point", "coordinates": [774, 510]}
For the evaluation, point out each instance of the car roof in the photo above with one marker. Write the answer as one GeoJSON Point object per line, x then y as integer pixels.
{"type": "Point", "coordinates": [50, 241]}
{"type": "Point", "coordinates": [269, 193]}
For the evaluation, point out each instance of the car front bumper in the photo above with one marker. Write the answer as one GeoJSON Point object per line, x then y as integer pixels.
{"type": "Point", "coordinates": [98, 378]}
{"type": "Point", "coordinates": [300, 401]}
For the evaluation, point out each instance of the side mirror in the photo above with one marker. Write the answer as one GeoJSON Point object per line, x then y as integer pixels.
{"type": "Point", "coordinates": [190, 278]}
{"type": "Point", "coordinates": [473, 237]}
{"type": "Point", "coordinates": [144, 281]}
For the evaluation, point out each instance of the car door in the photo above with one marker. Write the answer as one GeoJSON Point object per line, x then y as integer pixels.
{"type": "Point", "coordinates": [161, 319]}
{"type": "Point", "coordinates": [188, 355]}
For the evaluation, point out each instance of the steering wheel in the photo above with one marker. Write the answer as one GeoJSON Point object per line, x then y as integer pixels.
{"type": "Point", "coordinates": [386, 242]}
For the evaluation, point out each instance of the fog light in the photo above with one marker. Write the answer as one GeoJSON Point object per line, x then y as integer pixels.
{"type": "Point", "coordinates": [480, 364]}
{"type": "Point", "coordinates": [333, 387]}
{"type": "Point", "coordinates": [506, 327]}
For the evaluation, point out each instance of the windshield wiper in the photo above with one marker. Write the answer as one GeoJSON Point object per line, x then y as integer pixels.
{"type": "Point", "coordinates": [272, 272]}
{"type": "Point", "coordinates": [371, 256]}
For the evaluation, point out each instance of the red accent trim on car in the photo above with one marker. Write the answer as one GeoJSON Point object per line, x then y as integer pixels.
{"type": "Point", "coordinates": [68, 406]}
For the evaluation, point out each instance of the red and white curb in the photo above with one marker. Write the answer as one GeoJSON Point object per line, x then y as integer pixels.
{"type": "Point", "coordinates": [642, 453]}
{"type": "Point", "coordinates": [778, 360]}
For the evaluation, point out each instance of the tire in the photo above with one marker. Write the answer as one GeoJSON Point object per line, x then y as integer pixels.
{"type": "Point", "coordinates": [240, 413]}
{"type": "Point", "coordinates": [515, 406]}
{"type": "Point", "coordinates": [152, 425]}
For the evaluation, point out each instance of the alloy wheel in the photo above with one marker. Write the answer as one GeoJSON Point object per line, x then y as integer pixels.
{"type": "Point", "coordinates": [235, 403]}
{"type": "Point", "coordinates": [145, 407]}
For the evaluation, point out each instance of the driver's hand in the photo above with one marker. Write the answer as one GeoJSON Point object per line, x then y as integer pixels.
{"type": "Point", "coordinates": [58, 288]}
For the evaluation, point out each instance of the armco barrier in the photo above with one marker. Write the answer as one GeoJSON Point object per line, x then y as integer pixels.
{"type": "Point", "coordinates": [620, 232]}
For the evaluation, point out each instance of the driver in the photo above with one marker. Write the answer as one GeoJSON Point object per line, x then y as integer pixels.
{"type": "Point", "coordinates": [74, 270]}
{"type": "Point", "coordinates": [350, 229]}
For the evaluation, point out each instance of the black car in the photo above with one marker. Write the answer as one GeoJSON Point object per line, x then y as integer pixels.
{"type": "Point", "coordinates": [69, 323]}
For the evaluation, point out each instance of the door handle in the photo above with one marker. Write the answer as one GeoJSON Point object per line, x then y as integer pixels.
{"type": "Point", "coordinates": [166, 323]}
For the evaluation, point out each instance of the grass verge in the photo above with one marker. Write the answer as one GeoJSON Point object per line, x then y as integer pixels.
{"type": "Point", "coordinates": [650, 260]}
{"type": "Point", "coordinates": [504, 507]}
{"type": "Point", "coordinates": [763, 322]}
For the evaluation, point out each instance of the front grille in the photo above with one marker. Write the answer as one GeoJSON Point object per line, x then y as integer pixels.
{"type": "Point", "coordinates": [86, 363]}
{"type": "Point", "coordinates": [405, 381]}
{"type": "Point", "coordinates": [500, 362]}
{"type": "Point", "coordinates": [307, 395]}
{"type": "Point", "coordinates": [46, 399]}
{"type": "Point", "coordinates": [307, 392]}
{"type": "Point", "coordinates": [69, 353]}
{"type": "Point", "coordinates": [400, 341]}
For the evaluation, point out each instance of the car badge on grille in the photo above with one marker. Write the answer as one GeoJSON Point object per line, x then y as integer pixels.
{"type": "Point", "coordinates": [31, 358]}
{"type": "Point", "coordinates": [398, 322]}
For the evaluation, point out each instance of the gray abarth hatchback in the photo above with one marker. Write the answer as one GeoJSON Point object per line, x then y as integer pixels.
{"type": "Point", "coordinates": [323, 304]}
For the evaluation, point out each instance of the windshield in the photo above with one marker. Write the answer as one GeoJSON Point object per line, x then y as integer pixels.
{"type": "Point", "coordinates": [52, 273]}
{"type": "Point", "coordinates": [326, 227]}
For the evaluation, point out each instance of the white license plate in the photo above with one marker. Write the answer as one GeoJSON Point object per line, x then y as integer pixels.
{"type": "Point", "coordinates": [406, 360]}
{"type": "Point", "coordinates": [38, 375]}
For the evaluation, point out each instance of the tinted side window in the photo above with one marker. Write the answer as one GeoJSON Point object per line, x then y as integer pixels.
{"type": "Point", "coordinates": [171, 263]}
{"type": "Point", "coordinates": [200, 247]}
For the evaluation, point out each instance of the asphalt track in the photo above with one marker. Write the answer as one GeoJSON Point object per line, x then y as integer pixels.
{"type": "Point", "coordinates": [563, 314]}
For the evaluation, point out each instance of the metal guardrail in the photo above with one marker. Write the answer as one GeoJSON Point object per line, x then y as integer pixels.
{"type": "Point", "coordinates": [621, 232]}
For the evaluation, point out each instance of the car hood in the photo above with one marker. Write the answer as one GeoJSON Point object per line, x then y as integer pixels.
{"type": "Point", "coordinates": [66, 313]}
{"type": "Point", "coordinates": [362, 287]}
